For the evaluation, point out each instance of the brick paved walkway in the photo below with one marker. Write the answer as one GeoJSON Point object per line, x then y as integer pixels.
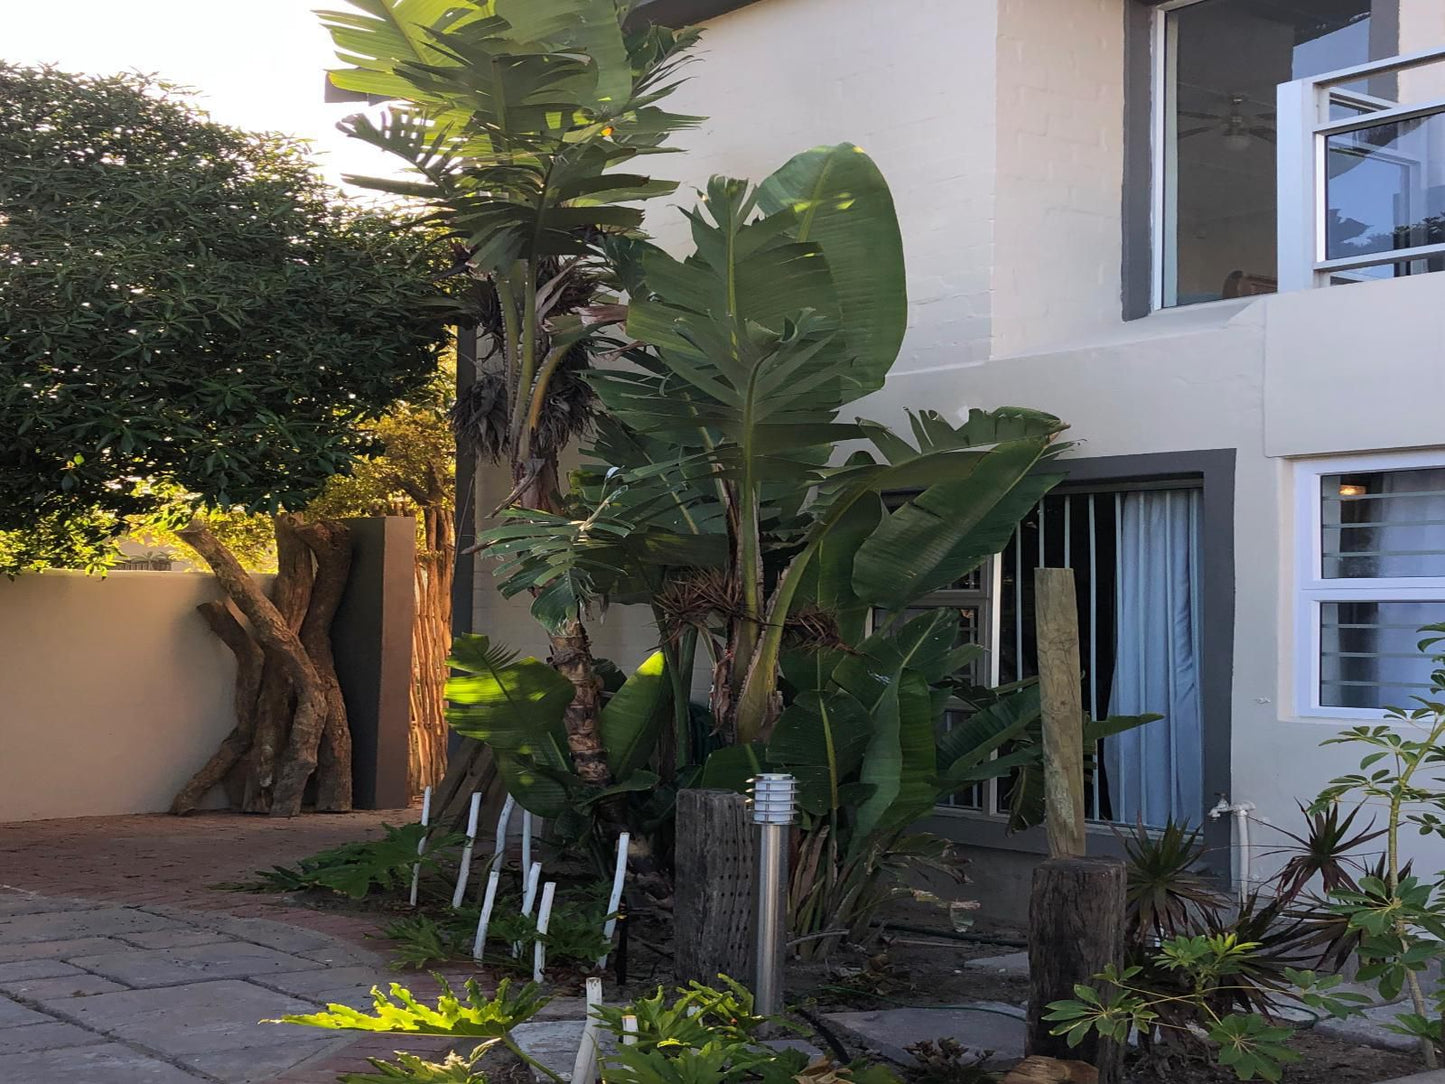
{"type": "Point", "coordinates": [113, 947]}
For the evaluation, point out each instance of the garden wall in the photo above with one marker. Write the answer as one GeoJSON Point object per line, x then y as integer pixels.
{"type": "Point", "coordinates": [112, 691]}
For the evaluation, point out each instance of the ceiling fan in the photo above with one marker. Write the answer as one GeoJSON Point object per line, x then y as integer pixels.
{"type": "Point", "coordinates": [1235, 124]}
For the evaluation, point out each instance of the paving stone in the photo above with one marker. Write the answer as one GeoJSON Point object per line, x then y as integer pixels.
{"type": "Point", "coordinates": [552, 1042]}
{"type": "Point", "coordinates": [51, 1036]}
{"type": "Point", "coordinates": [1368, 1029]}
{"type": "Point", "coordinates": [27, 903]}
{"type": "Point", "coordinates": [339, 954]}
{"type": "Point", "coordinates": [178, 938]}
{"type": "Point", "coordinates": [254, 1063]}
{"type": "Point", "coordinates": [35, 969]}
{"type": "Point", "coordinates": [59, 950]}
{"type": "Point", "coordinates": [67, 925]}
{"type": "Point", "coordinates": [260, 931]}
{"type": "Point", "coordinates": [186, 1021]}
{"type": "Point", "coordinates": [47, 990]}
{"type": "Point", "coordinates": [310, 983]}
{"type": "Point", "coordinates": [355, 997]}
{"type": "Point", "coordinates": [13, 1014]}
{"type": "Point", "coordinates": [194, 963]}
{"type": "Point", "coordinates": [1013, 963]}
{"type": "Point", "coordinates": [983, 1027]}
{"type": "Point", "coordinates": [107, 1063]}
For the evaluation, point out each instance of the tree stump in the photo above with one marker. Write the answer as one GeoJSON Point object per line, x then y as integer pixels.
{"type": "Point", "coordinates": [1076, 929]}
{"type": "Point", "coordinates": [716, 863]}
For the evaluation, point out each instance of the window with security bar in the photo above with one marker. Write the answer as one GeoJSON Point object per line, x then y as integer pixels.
{"type": "Point", "coordinates": [1135, 554]}
{"type": "Point", "coordinates": [1372, 574]}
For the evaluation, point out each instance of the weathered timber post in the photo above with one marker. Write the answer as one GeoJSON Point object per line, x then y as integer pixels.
{"type": "Point", "coordinates": [1076, 909]}
{"type": "Point", "coordinates": [1056, 619]}
{"type": "Point", "coordinates": [714, 908]}
{"type": "Point", "coordinates": [1076, 929]}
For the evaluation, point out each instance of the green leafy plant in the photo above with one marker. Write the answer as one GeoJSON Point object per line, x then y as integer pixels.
{"type": "Point", "coordinates": [1397, 918]}
{"type": "Point", "coordinates": [1208, 967]}
{"type": "Point", "coordinates": [471, 1015]}
{"type": "Point", "coordinates": [692, 1017]}
{"type": "Point", "coordinates": [419, 941]}
{"type": "Point", "coordinates": [453, 1069]}
{"type": "Point", "coordinates": [357, 869]}
{"type": "Point", "coordinates": [1165, 891]}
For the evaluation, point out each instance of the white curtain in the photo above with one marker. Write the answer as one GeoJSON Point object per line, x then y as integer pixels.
{"type": "Point", "coordinates": [1154, 771]}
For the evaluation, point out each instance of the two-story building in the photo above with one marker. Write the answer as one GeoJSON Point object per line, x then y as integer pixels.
{"type": "Point", "coordinates": [1204, 233]}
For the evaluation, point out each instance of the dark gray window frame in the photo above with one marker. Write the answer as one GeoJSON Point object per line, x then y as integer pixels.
{"type": "Point", "coordinates": [1213, 470]}
{"type": "Point", "coordinates": [686, 12]}
{"type": "Point", "coordinates": [1137, 270]}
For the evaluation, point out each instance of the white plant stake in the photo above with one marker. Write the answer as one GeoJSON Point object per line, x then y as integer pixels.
{"type": "Point", "coordinates": [584, 1068]}
{"type": "Point", "coordinates": [614, 901]}
{"type": "Point", "coordinates": [629, 1031]}
{"type": "Point", "coordinates": [460, 892]}
{"type": "Point", "coordinates": [421, 843]}
{"type": "Point", "coordinates": [526, 839]}
{"type": "Point", "coordinates": [529, 896]}
{"type": "Point", "coordinates": [487, 901]}
{"type": "Point", "coordinates": [503, 818]}
{"type": "Point", "coordinates": [544, 916]}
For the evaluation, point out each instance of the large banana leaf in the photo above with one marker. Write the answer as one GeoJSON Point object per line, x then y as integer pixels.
{"type": "Point", "coordinates": [633, 717]}
{"type": "Point", "coordinates": [516, 706]}
{"type": "Point", "coordinates": [379, 35]}
{"type": "Point", "coordinates": [843, 204]}
{"type": "Point", "coordinates": [952, 527]}
{"type": "Point", "coordinates": [820, 739]}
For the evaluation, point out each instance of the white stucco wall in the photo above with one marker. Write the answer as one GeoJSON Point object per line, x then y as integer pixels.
{"type": "Point", "coordinates": [999, 124]}
{"type": "Point", "coordinates": [112, 692]}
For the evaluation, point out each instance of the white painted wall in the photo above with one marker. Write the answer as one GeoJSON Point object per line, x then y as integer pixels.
{"type": "Point", "coordinates": [999, 124]}
{"type": "Point", "coordinates": [112, 692]}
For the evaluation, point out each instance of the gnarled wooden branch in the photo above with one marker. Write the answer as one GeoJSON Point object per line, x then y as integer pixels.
{"type": "Point", "coordinates": [330, 542]}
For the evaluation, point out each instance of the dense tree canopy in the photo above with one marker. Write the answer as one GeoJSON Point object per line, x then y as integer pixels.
{"type": "Point", "coordinates": [183, 305]}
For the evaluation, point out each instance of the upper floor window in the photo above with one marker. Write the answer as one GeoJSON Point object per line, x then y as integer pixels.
{"type": "Point", "coordinates": [1218, 64]}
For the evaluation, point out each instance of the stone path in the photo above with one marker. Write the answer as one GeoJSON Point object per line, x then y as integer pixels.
{"type": "Point", "coordinates": [156, 994]}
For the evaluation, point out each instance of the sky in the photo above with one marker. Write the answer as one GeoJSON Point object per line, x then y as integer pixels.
{"type": "Point", "coordinates": [257, 64]}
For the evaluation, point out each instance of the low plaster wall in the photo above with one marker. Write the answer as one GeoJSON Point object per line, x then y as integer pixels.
{"type": "Point", "coordinates": [112, 692]}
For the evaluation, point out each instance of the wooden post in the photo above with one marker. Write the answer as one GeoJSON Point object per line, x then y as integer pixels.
{"type": "Point", "coordinates": [1076, 929]}
{"type": "Point", "coordinates": [716, 866]}
{"type": "Point", "coordinates": [1056, 619]}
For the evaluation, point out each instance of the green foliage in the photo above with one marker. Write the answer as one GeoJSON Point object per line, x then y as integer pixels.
{"type": "Point", "coordinates": [1166, 893]}
{"type": "Point", "coordinates": [356, 869]}
{"type": "Point", "coordinates": [693, 1017]}
{"type": "Point", "coordinates": [1398, 920]}
{"type": "Point", "coordinates": [186, 304]}
{"type": "Point", "coordinates": [398, 1011]}
{"type": "Point", "coordinates": [453, 1069]}
{"type": "Point", "coordinates": [1248, 1044]}
{"type": "Point", "coordinates": [516, 706]}
{"type": "Point", "coordinates": [573, 938]}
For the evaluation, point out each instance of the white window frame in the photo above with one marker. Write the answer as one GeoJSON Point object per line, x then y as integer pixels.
{"type": "Point", "coordinates": [1312, 588]}
{"type": "Point", "coordinates": [1304, 126]}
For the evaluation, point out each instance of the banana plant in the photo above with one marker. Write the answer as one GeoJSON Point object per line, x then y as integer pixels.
{"type": "Point", "coordinates": [518, 707]}
{"type": "Point", "coordinates": [521, 122]}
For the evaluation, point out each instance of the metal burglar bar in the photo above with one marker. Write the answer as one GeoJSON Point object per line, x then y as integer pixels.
{"type": "Point", "coordinates": [1071, 528]}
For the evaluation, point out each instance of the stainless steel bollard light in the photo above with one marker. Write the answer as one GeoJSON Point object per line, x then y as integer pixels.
{"type": "Point", "coordinates": [774, 796]}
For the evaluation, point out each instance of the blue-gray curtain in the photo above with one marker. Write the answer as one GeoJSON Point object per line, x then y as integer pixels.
{"type": "Point", "coordinates": [1154, 771]}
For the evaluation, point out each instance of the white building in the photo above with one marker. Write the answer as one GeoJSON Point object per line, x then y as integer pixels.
{"type": "Point", "coordinates": [1176, 225]}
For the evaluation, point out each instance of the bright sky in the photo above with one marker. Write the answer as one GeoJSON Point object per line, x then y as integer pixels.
{"type": "Point", "coordinates": [258, 64]}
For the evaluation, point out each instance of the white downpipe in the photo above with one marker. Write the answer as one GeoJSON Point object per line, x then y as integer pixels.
{"type": "Point", "coordinates": [1243, 854]}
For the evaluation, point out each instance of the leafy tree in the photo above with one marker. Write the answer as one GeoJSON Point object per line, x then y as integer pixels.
{"type": "Point", "coordinates": [187, 308]}
{"type": "Point", "coordinates": [181, 302]}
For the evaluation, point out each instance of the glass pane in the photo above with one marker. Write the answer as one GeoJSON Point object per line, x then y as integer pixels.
{"type": "Point", "coordinates": [1383, 524]}
{"type": "Point", "coordinates": [1368, 654]}
{"type": "Point", "coordinates": [1383, 188]}
{"type": "Point", "coordinates": [1224, 60]}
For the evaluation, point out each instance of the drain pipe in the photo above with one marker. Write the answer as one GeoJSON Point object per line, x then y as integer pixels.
{"type": "Point", "coordinates": [1244, 863]}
